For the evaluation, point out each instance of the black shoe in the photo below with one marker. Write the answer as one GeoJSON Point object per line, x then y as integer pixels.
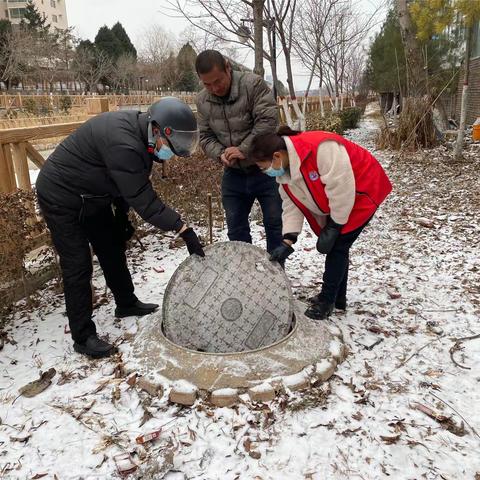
{"type": "Point", "coordinates": [341, 303]}
{"type": "Point", "coordinates": [138, 309]}
{"type": "Point", "coordinates": [319, 311]}
{"type": "Point", "coordinates": [95, 347]}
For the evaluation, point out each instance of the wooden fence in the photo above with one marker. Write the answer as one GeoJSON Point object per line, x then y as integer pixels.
{"type": "Point", "coordinates": [16, 149]}
{"type": "Point", "coordinates": [16, 146]}
{"type": "Point", "coordinates": [18, 101]}
{"type": "Point", "coordinates": [38, 121]}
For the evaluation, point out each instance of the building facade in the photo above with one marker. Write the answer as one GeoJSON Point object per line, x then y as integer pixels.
{"type": "Point", "coordinates": [54, 10]}
{"type": "Point", "coordinates": [473, 105]}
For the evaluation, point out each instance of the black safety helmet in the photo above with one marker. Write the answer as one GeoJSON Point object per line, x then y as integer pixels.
{"type": "Point", "coordinates": [177, 125]}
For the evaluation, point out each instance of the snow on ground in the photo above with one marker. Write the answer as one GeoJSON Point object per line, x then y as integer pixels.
{"type": "Point", "coordinates": [414, 288]}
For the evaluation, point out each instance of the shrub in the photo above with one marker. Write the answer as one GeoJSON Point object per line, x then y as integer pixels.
{"type": "Point", "coordinates": [350, 117]}
{"type": "Point", "coordinates": [415, 127]}
{"type": "Point", "coordinates": [44, 106]}
{"type": "Point", "coordinates": [331, 122]}
{"type": "Point", "coordinates": [187, 184]}
{"type": "Point", "coordinates": [65, 104]}
{"type": "Point", "coordinates": [30, 106]}
{"type": "Point", "coordinates": [18, 227]}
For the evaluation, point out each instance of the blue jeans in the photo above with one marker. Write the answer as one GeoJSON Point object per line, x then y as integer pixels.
{"type": "Point", "coordinates": [239, 191]}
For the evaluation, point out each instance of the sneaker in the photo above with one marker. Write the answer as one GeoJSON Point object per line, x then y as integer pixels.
{"type": "Point", "coordinates": [95, 347]}
{"type": "Point", "coordinates": [138, 309]}
{"type": "Point", "coordinates": [319, 311]}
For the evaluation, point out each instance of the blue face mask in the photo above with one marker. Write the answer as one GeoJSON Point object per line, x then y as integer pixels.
{"type": "Point", "coordinates": [165, 153]}
{"type": "Point", "coordinates": [274, 172]}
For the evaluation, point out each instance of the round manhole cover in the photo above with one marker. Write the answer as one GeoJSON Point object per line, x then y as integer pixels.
{"type": "Point", "coordinates": [232, 300]}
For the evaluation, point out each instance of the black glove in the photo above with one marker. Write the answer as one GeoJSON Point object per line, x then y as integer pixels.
{"type": "Point", "coordinates": [281, 253]}
{"type": "Point", "coordinates": [328, 236]}
{"type": "Point", "coordinates": [122, 222]}
{"type": "Point", "coordinates": [193, 243]}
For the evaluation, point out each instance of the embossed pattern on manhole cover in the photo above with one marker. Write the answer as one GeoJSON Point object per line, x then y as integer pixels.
{"type": "Point", "coordinates": [232, 300]}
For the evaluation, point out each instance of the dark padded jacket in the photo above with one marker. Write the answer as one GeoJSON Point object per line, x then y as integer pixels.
{"type": "Point", "coordinates": [104, 160]}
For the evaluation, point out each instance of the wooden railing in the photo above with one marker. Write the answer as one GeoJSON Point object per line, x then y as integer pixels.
{"type": "Point", "coordinates": [16, 149]}
{"type": "Point", "coordinates": [18, 101]}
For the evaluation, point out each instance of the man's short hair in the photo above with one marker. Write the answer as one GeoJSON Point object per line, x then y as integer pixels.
{"type": "Point", "coordinates": [208, 59]}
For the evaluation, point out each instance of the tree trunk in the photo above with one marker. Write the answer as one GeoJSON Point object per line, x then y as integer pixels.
{"type": "Point", "coordinates": [463, 110]}
{"type": "Point", "coordinates": [307, 91]}
{"type": "Point", "coordinates": [413, 52]}
{"type": "Point", "coordinates": [258, 36]}
{"type": "Point", "coordinates": [320, 97]}
{"type": "Point", "coordinates": [288, 63]}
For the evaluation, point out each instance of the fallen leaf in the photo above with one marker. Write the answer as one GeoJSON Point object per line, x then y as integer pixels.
{"type": "Point", "coordinates": [38, 386]}
{"type": "Point", "coordinates": [445, 421]}
{"type": "Point", "coordinates": [390, 440]}
{"type": "Point", "coordinates": [424, 222]}
{"type": "Point", "coordinates": [21, 438]}
{"type": "Point", "coordinates": [132, 379]}
{"type": "Point", "coordinates": [254, 454]}
{"type": "Point", "coordinates": [39, 475]}
{"type": "Point", "coordinates": [357, 416]}
{"type": "Point", "coordinates": [393, 294]}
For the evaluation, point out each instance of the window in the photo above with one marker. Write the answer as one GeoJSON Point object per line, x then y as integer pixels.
{"type": "Point", "coordinates": [54, 19]}
{"type": "Point", "coordinates": [53, 4]}
{"type": "Point", "coordinates": [17, 12]}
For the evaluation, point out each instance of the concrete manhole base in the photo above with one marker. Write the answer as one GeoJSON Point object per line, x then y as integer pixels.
{"type": "Point", "coordinates": [310, 352]}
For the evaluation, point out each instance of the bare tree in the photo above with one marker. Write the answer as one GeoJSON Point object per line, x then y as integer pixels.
{"type": "Point", "coordinates": [229, 23]}
{"type": "Point", "coordinates": [283, 13]}
{"type": "Point", "coordinates": [91, 66]}
{"type": "Point", "coordinates": [12, 63]}
{"type": "Point", "coordinates": [123, 76]}
{"type": "Point", "coordinates": [329, 31]}
{"type": "Point", "coordinates": [155, 45]}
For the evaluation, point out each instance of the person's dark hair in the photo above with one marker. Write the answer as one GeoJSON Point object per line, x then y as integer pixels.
{"type": "Point", "coordinates": [264, 146]}
{"type": "Point", "coordinates": [208, 59]}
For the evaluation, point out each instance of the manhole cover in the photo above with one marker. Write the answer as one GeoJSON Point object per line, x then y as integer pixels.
{"type": "Point", "coordinates": [232, 300]}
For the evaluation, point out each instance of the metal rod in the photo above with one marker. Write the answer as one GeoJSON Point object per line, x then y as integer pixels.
{"type": "Point", "coordinates": [210, 217]}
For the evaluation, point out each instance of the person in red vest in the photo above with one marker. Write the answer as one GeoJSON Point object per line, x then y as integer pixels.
{"type": "Point", "coordinates": [335, 185]}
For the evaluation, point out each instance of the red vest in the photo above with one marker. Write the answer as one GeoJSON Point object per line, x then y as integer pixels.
{"type": "Point", "coordinates": [371, 182]}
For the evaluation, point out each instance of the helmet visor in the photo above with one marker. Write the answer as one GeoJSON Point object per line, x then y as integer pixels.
{"type": "Point", "coordinates": [183, 143]}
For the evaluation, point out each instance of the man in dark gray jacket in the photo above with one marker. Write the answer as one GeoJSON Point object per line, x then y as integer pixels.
{"type": "Point", "coordinates": [85, 190]}
{"type": "Point", "coordinates": [231, 109]}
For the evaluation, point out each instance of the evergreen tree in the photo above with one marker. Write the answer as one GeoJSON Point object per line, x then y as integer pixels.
{"type": "Point", "coordinates": [124, 40]}
{"type": "Point", "coordinates": [187, 77]}
{"type": "Point", "coordinates": [33, 20]}
{"type": "Point", "coordinates": [387, 48]}
{"type": "Point", "coordinates": [107, 42]}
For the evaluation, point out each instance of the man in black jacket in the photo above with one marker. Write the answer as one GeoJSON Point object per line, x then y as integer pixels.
{"type": "Point", "coordinates": [85, 190]}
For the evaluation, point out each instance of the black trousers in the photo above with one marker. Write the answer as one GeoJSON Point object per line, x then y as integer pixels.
{"type": "Point", "coordinates": [335, 275]}
{"type": "Point", "coordinates": [72, 238]}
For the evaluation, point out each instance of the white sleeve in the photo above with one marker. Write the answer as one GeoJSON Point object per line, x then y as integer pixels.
{"type": "Point", "coordinates": [292, 217]}
{"type": "Point", "coordinates": [336, 174]}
